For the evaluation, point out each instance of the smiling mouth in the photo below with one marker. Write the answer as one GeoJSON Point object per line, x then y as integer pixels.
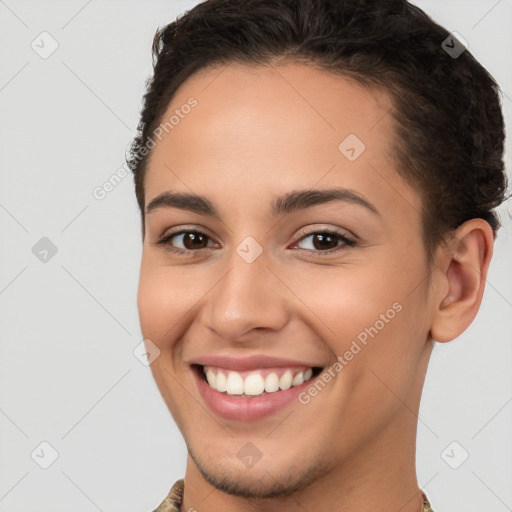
{"type": "Point", "coordinates": [253, 383]}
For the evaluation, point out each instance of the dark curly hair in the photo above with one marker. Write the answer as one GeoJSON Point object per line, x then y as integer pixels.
{"type": "Point", "coordinates": [449, 126]}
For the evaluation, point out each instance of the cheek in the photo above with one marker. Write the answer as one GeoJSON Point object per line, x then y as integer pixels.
{"type": "Point", "coordinates": [373, 315]}
{"type": "Point", "coordinates": [165, 298]}
{"type": "Point", "coordinates": [346, 301]}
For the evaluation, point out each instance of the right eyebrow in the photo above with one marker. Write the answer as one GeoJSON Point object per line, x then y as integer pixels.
{"type": "Point", "coordinates": [183, 201]}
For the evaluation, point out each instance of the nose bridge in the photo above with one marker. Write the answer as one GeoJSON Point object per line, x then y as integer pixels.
{"type": "Point", "coordinates": [248, 296]}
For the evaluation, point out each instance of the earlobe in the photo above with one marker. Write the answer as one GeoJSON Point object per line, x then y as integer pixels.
{"type": "Point", "coordinates": [463, 264]}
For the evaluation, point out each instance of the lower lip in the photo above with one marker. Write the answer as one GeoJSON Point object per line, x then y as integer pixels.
{"type": "Point", "coordinates": [232, 407]}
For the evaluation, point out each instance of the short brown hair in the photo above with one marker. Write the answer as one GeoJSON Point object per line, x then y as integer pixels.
{"type": "Point", "coordinates": [449, 125]}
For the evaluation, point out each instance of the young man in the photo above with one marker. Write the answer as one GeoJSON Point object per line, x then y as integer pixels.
{"type": "Point", "coordinates": [317, 182]}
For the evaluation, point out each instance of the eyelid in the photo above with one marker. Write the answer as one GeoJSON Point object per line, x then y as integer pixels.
{"type": "Point", "coordinates": [168, 235]}
{"type": "Point", "coordinates": [185, 228]}
{"type": "Point", "coordinates": [324, 229]}
{"type": "Point", "coordinates": [347, 240]}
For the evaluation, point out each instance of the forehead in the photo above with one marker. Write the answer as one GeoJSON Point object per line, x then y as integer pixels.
{"type": "Point", "coordinates": [256, 130]}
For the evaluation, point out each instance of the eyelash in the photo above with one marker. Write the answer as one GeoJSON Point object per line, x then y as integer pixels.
{"type": "Point", "coordinates": [347, 242]}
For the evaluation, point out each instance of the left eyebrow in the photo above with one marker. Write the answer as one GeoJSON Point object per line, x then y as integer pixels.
{"type": "Point", "coordinates": [299, 199]}
{"type": "Point", "coordinates": [292, 201]}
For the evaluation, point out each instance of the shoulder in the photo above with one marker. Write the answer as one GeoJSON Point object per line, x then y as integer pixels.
{"type": "Point", "coordinates": [426, 503]}
{"type": "Point", "coordinates": [172, 501]}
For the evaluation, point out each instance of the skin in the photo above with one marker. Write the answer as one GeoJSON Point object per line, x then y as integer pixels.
{"type": "Point", "coordinates": [261, 132]}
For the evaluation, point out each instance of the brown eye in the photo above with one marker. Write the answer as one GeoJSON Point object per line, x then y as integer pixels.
{"type": "Point", "coordinates": [325, 241]}
{"type": "Point", "coordinates": [194, 240]}
{"type": "Point", "coordinates": [185, 241]}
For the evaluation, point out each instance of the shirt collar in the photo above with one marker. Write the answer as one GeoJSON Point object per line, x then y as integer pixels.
{"type": "Point", "coordinates": [173, 501]}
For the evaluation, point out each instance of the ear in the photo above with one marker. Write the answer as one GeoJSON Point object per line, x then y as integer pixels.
{"type": "Point", "coordinates": [462, 269]}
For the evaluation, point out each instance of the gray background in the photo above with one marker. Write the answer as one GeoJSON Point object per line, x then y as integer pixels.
{"type": "Point", "coordinates": [69, 324]}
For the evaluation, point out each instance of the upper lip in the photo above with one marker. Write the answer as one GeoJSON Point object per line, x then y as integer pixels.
{"type": "Point", "coordinates": [250, 362]}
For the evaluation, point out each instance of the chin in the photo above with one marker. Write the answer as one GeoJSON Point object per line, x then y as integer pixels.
{"type": "Point", "coordinates": [283, 478]}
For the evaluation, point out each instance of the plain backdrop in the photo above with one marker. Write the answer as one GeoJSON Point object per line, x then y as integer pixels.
{"type": "Point", "coordinates": [69, 268]}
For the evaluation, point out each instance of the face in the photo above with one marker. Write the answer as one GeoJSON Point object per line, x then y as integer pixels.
{"type": "Point", "coordinates": [301, 259]}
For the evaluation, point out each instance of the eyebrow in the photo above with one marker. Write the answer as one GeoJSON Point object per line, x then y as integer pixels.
{"type": "Point", "coordinates": [292, 201]}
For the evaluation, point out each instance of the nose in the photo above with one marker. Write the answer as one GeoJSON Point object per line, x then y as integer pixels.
{"type": "Point", "coordinates": [249, 296]}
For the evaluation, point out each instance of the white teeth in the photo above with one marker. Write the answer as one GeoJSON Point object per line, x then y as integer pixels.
{"type": "Point", "coordinates": [235, 384]}
{"type": "Point", "coordinates": [221, 383]}
{"type": "Point", "coordinates": [298, 379]}
{"type": "Point", "coordinates": [254, 383]}
{"type": "Point", "coordinates": [271, 382]}
{"type": "Point", "coordinates": [210, 377]}
{"type": "Point", "coordinates": [285, 382]}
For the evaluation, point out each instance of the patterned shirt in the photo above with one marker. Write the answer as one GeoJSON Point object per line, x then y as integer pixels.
{"type": "Point", "coordinates": [173, 500]}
